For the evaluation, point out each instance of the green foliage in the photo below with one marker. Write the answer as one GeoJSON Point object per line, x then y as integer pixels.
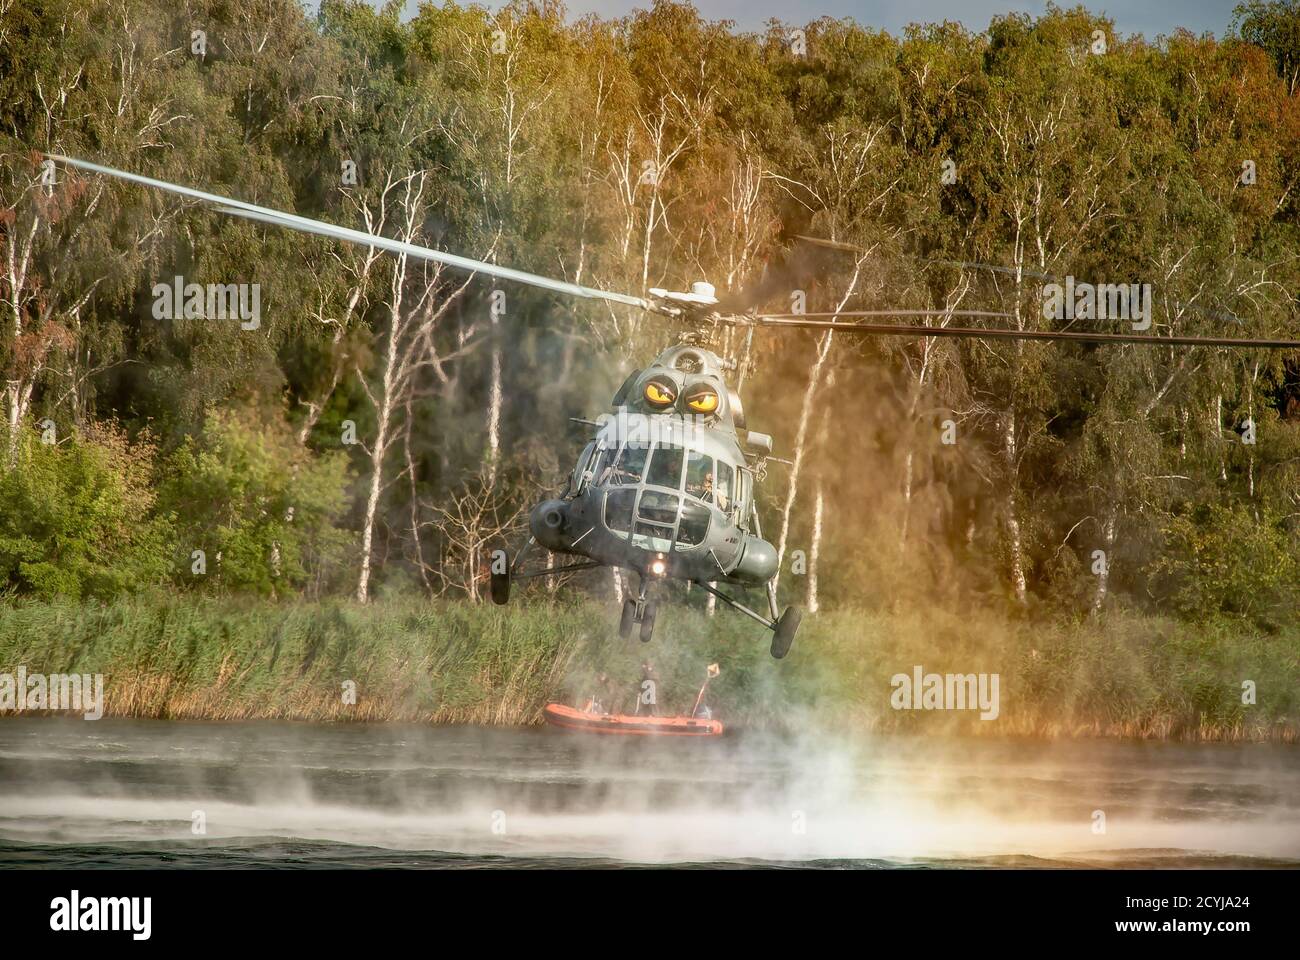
{"type": "Point", "coordinates": [77, 519]}
{"type": "Point", "coordinates": [1225, 559]}
{"type": "Point", "coordinates": [1117, 167]}
{"type": "Point", "coordinates": [264, 510]}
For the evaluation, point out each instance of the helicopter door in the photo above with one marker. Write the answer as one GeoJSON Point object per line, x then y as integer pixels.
{"type": "Point", "coordinates": [725, 491]}
{"type": "Point", "coordinates": [696, 512]}
{"type": "Point", "coordinates": [744, 487]}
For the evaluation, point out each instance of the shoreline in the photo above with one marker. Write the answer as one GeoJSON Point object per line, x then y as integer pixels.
{"type": "Point", "coordinates": [1045, 733]}
{"type": "Point", "coordinates": [431, 662]}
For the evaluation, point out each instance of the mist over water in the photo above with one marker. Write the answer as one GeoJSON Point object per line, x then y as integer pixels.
{"type": "Point", "coordinates": [124, 792]}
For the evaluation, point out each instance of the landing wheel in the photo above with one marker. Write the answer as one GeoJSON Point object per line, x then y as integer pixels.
{"type": "Point", "coordinates": [499, 587]}
{"type": "Point", "coordinates": [648, 621]}
{"type": "Point", "coordinates": [628, 623]}
{"type": "Point", "coordinates": [786, 628]}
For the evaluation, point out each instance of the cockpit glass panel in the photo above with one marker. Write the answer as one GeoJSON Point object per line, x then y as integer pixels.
{"type": "Point", "coordinates": [598, 464]}
{"type": "Point", "coordinates": [652, 536]}
{"type": "Point", "coordinates": [699, 476]}
{"type": "Point", "coordinates": [665, 467]}
{"type": "Point", "coordinates": [618, 509]}
{"type": "Point", "coordinates": [724, 487]}
{"type": "Point", "coordinates": [630, 466]}
{"type": "Point", "coordinates": [659, 507]}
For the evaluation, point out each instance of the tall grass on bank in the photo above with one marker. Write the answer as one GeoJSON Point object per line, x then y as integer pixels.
{"type": "Point", "coordinates": [164, 656]}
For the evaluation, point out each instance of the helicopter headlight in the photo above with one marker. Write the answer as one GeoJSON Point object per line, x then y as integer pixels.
{"type": "Point", "coordinates": [658, 566]}
{"type": "Point", "coordinates": [702, 400]}
{"type": "Point", "coordinates": [659, 393]}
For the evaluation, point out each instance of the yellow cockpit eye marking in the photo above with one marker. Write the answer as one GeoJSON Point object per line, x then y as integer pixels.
{"type": "Point", "coordinates": [659, 394]}
{"type": "Point", "coordinates": [703, 402]}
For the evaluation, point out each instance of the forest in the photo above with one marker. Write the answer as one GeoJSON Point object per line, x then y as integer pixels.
{"type": "Point", "coordinates": [384, 424]}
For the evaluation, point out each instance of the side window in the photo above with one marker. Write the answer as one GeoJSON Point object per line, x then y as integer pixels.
{"type": "Point", "coordinates": [589, 467]}
{"type": "Point", "coordinates": [618, 509]}
{"type": "Point", "coordinates": [699, 476]}
{"type": "Point", "coordinates": [723, 488]}
{"type": "Point", "coordinates": [601, 464]}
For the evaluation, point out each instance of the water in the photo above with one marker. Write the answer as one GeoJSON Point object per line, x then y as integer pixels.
{"type": "Point", "coordinates": [122, 793]}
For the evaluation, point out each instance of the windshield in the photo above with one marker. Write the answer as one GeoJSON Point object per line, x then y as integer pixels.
{"type": "Point", "coordinates": [630, 466]}
{"type": "Point", "coordinates": [665, 467]}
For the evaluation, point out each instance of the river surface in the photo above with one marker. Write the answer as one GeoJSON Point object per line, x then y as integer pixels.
{"type": "Point", "coordinates": [139, 793]}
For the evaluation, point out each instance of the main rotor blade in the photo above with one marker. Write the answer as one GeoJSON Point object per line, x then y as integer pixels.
{"type": "Point", "coordinates": [308, 225]}
{"type": "Point", "coordinates": [928, 312]}
{"type": "Point", "coordinates": [1009, 271]}
{"type": "Point", "coordinates": [915, 330]}
{"type": "Point", "coordinates": [965, 264]}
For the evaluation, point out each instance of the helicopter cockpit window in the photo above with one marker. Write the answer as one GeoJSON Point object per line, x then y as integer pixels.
{"type": "Point", "coordinates": [656, 518]}
{"type": "Point", "coordinates": [659, 507]}
{"type": "Point", "coordinates": [592, 468]}
{"type": "Point", "coordinates": [618, 510]}
{"type": "Point", "coordinates": [724, 487]}
{"type": "Point", "coordinates": [630, 466]}
{"type": "Point", "coordinates": [694, 525]}
{"type": "Point", "coordinates": [699, 476]}
{"type": "Point", "coordinates": [665, 467]}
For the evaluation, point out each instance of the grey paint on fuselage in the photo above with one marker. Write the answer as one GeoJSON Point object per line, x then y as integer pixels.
{"type": "Point", "coordinates": [729, 551]}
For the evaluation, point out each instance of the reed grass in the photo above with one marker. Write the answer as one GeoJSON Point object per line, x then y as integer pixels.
{"type": "Point", "coordinates": [449, 662]}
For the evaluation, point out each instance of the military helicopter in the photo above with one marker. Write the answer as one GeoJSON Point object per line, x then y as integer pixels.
{"type": "Point", "coordinates": [666, 488]}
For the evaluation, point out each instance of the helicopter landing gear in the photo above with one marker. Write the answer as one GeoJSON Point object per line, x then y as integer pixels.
{"type": "Point", "coordinates": [499, 583]}
{"type": "Point", "coordinates": [648, 621]}
{"type": "Point", "coordinates": [627, 624]}
{"type": "Point", "coordinates": [499, 588]}
{"type": "Point", "coordinates": [638, 610]}
{"type": "Point", "coordinates": [784, 630]}
{"type": "Point", "coordinates": [783, 627]}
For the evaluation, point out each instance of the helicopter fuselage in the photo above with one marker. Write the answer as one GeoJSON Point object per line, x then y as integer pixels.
{"type": "Point", "coordinates": [669, 498]}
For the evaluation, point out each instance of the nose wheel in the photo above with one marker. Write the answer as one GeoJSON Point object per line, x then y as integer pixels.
{"type": "Point", "coordinates": [638, 612]}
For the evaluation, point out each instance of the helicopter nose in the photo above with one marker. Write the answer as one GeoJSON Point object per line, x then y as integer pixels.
{"type": "Point", "coordinates": [547, 524]}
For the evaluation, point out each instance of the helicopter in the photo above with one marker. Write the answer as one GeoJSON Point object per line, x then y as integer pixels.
{"type": "Point", "coordinates": [666, 487]}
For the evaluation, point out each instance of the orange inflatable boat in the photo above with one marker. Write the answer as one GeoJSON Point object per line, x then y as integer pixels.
{"type": "Point", "coordinates": [570, 718]}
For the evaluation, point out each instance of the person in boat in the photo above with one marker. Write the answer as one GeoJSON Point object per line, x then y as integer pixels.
{"type": "Point", "coordinates": [603, 699]}
{"type": "Point", "coordinates": [701, 710]}
{"type": "Point", "coordinates": [647, 694]}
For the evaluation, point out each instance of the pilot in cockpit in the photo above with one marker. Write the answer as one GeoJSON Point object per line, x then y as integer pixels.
{"type": "Point", "coordinates": [708, 496]}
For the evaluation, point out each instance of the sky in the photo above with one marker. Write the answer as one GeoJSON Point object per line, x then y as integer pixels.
{"type": "Point", "coordinates": [1148, 17]}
